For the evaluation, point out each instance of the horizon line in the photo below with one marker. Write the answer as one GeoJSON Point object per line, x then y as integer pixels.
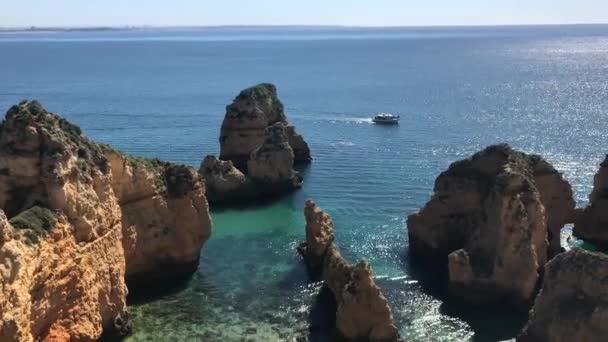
{"type": "Point", "coordinates": [135, 27]}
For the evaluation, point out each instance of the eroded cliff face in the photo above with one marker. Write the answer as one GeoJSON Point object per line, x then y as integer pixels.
{"type": "Point", "coordinates": [61, 276]}
{"type": "Point", "coordinates": [592, 222]}
{"type": "Point", "coordinates": [165, 216]}
{"type": "Point", "coordinates": [488, 220]}
{"type": "Point", "coordinates": [243, 128]}
{"type": "Point", "coordinates": [259, 149]}
{"type": "Point", "coordinates": [74, 231]}
{"type": "Point", "coordinates": [271, 164]}
{"type": "Point", "coordinates": [224, 182]}
{"type": "Point", "coordinates": [572, 304]}
{"type": "Point", "coordinates": [362, 312]}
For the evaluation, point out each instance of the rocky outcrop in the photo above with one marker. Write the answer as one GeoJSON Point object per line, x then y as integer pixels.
{"type": "Point", "coordinates": [557, 198]}
{"type": "Point", "coordinates": [224, 182]}
{"type": "Point", "coordinates": [488, 220]}
{"type": "Point", "coordinates": [165, 217]}
{"type": "Point", "coordinates": [362, 311]}
{"type": "Point", "coordinates": [592, 222]}
{"type": "Point", "coordinates": [243, 129]}
{"type": "Point", "coordinates": [259, 149]}
{"type": "Point", "coordinates": [80, 217]}
{"type": "Point", "coordinates": [271, 164]}
{"type": "Point", "coordinates": [572, 304]}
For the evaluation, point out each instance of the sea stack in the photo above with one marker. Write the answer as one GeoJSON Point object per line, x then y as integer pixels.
{"type": "Point", "coordinates": [362, 311]}
{"type": "Point", "coordinates": [261, 147]}
{"type": "Point", "coordinates": [571, 305]}
{"type": "Point", "coordinates": [592, 222]}
{"type": "Point", "coordinates": [488, 220]}
{"type": "Point", "coordinates": [77, 218]}
{"type": "Point", "coordinates": [244, 126]}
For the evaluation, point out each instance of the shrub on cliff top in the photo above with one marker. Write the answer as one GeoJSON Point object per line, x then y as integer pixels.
{"type": "Point", "coordinates": [36, 221]}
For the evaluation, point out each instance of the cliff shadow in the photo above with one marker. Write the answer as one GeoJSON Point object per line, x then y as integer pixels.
{"type": "Point", "coordinates": [488, 323]}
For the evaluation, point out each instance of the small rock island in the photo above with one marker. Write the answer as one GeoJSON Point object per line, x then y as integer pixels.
{"type": "Point", "coordinates": [259, 149]}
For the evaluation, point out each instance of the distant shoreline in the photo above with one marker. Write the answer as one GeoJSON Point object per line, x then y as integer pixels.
{"type": "Point", "coordinates": [231, 27]}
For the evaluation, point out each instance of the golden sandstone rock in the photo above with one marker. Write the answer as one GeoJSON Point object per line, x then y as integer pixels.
{"type": "Point", "coordinates": [571, 305]}
{"type": "Point", "coordinates": [488, 220]}
{"type": "Point", "coordinates": [362, 311]}
{"type": "Point", "coordinates": [261, 148]}
{"type": "Point", "coordinates": [80, 217]}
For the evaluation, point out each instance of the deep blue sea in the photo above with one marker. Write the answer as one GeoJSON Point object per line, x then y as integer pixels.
{"type": "Point", "coordinates": [162, 93]}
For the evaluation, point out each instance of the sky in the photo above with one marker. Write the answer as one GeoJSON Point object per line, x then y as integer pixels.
{"type": "Point", "coordinates": [87, 13]}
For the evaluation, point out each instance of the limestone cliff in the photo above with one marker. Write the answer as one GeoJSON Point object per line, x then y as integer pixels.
{"type": "Point", "coordinates": [592, 222]}
{"type": "Point", "coordinates": [488, 220]}
{"type": "Point", "coordinates": [362, 312]}
{"type": "Point", "coordinates": [572, 304]}
{"type": "Point", "coordinates": [165, 216]}
{"type": "Point", "coordinates": [243, 128]}
{"type": "Point", "coordinates": [78, 224]}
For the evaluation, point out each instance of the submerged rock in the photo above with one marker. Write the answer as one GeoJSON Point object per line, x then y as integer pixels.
{"type": "Point", "coordinates": [488, 220]}
{"type": "Point", "coordinates": [259, 149]}
{"type": "Point", "coordinates": [592, 222]}
{"type": "Point", "coordinates": [362, 310]}
{"type": "Point", "coordinates": [571, 305]}
{"type": "Point", "coordinates": [80, 217]}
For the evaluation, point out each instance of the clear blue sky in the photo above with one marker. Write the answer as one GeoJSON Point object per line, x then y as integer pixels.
{"type": "Point", "coordinates": [295, 12]}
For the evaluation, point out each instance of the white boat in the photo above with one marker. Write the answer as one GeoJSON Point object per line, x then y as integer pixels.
{"type": "Point", "coordinates": [385, 118]}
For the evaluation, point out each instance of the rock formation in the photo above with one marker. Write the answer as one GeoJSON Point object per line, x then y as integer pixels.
{"type": "Point", "coordinates": [362, 311]}
{"type": "Point", "coordinates": [80, 217]}
{"type": "Point", "coordinates": [572, 304]}
{"type": "Point", "coordinates": [271, 164]}
{"type": "Point", "coordinates": [592, 222]}
{"type": "Point", "coordinates": [488, 220]}
{"type": "Point", "coordinates": [259, 149]}
{"type": "Point", "coordinates": [224, 182]}
{"type": "Point", "coordinates": [243, 128]}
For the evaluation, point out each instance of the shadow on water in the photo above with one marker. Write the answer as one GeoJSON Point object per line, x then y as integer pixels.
{"type": "Point", "coordinates": [489, 324]}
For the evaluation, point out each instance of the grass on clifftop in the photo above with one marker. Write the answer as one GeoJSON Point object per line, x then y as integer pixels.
{"type": "Point", "coordinates": [36, 220]}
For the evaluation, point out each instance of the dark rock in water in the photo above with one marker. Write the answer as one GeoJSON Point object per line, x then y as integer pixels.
{"type": "Point", "coordinates": [572, 304]}
{"type": "Point", "coordinates": [488, 220]}
{"type": "Point", "coordinates": [592, 222]}
{"type": "Point", "coordinates": [362, 312]}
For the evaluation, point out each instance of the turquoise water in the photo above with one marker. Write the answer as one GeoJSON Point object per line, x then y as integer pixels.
{"type": "Point", "coordinates": [163, 93]}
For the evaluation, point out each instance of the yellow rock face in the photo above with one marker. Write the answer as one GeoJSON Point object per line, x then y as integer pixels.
{"type": "Point", "coordinates": [82, 218]}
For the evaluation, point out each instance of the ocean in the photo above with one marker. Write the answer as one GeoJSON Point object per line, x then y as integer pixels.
{"type": "Point", "coordinates": [162, 93]}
